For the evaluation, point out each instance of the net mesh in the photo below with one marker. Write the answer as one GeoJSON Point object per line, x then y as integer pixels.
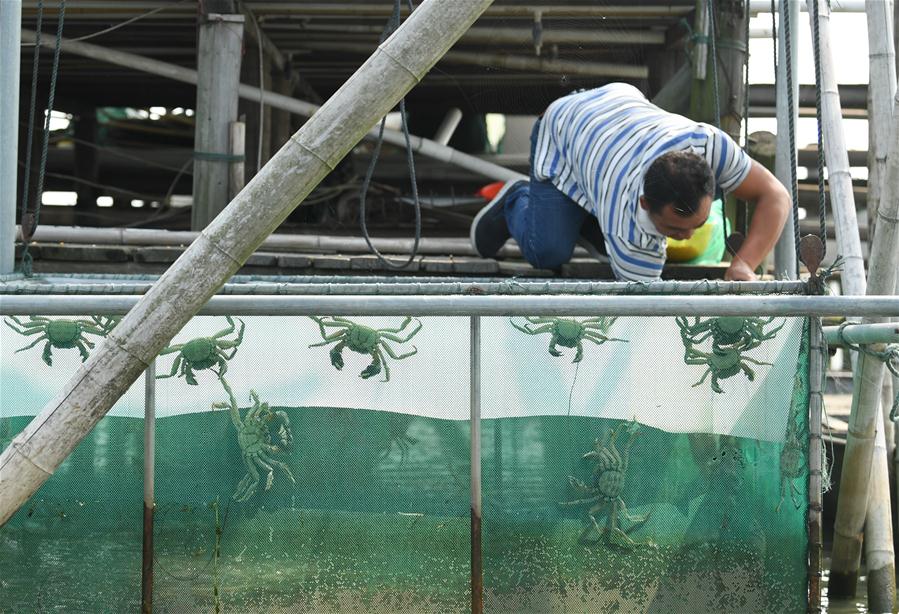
{"type": "Point", "coordinates": [323, 464]}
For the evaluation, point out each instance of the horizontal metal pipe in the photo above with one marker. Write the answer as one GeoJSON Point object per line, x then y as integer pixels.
{"type": "Point", "coordinates": [402, 286]}
{"type": "Point", "coordinates": [499, 36]}
{"type": "Point", "coordinates": [846, 306]}
{"type": "Point", "coordinates": [518, 10]}
{"type": "Point", "coordinates": [500, 60]}
{"type": "Point", "coordinates": [268, 9]}
{"type": "Point", "coordinates": [425, 147]}
{"type": "Point", "coordinates": [323, 9]}
{"type": "Point", "coordinates": [836, 6]}
{"type": "Point", "coordinates": [323, 243]}
{"type": "Point", "coordinates": [862, 334]}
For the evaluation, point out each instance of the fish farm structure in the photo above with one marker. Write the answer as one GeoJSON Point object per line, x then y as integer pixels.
{"type": "Point", "coordinates": [254, 358]}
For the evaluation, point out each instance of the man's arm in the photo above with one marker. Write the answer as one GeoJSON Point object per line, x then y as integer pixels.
{"type": "Point", "coordinates": [772, 205]}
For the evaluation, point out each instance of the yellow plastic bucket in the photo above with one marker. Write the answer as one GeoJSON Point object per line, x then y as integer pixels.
{"type": "Point", "coordinates": [706, 246]}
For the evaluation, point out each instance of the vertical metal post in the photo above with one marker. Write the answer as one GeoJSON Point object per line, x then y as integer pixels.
{"type": "Point", "coordinates": [10, 29]}
{"type": "Point", "coordinates": [477, 563]}
{"type": "Point", "coordinates": [785, 249]}
{"type": "Point", "coordinates": [815, 454]}
{"type": "Point", "coordinates": [149, 495]}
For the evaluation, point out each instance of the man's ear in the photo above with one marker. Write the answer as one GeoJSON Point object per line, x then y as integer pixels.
{"type": "Point", "coordinates": [643, 204]}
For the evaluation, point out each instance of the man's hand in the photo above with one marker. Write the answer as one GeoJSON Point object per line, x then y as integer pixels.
{"type": "Point", "coordinates": [739, 271]}
{"type": "Point", "coordinates": [772, 205]}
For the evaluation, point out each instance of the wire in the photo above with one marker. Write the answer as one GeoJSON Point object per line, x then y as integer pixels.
{"type": "Point", "coordinates": [392, 24]}
{"type": "Point", "coordinates": [115, 27]}
{"type": "Point", "coordinates": [26, 236]}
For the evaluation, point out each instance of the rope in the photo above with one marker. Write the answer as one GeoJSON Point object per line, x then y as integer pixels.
{"type": "Point", "coordinates": [788, 73]}
{"type": "Point", "coordinates": [392, 24]}
{"type": "Point", "coordinates": [889, 356]}
{"type": "Point", "coordinates": [816, 44]}
{"type": "Point", "coordinates": [28, 232]}
{"type": "Point", "coordinates": [26, 238]}
{"type": "Point", "coordinates": [713, 48]}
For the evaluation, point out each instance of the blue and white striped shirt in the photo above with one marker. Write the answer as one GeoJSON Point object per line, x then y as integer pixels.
{"type": "Point", "coordinates": [596, 146]}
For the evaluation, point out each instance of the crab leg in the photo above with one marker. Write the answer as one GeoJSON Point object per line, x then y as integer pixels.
{"type": "Point", "coordinates": [270, 477]}
{"type": "Point", "coordinates": [401, 327]}
{"type": "Point", "coordinates": [175, 364]}
{"type": "Point", "coordinates": [253, 474]}
{"type": "Point", "coordinates": [226, 331]}
{"type": "Point", "coordinates": [400, 356]}
{"type": "Point", "coordinates": [329, 338]}
{"type": "Point", "coordinates": [36, 341]}
{"type": "Point", "coordinates": [172, 348]}
{"type": "Point", "coordinates": [386, 333]}
{"type": "Point", "coordinates": [83, 350]}
{"type": "Point", "coordinates": [242, 486]}
{"type": "Point", "coordinates": [599, 337]}
{"type": "Point", "coordinates": [46, 355]}
{"type": "Point", "coordinates": [525, 329]}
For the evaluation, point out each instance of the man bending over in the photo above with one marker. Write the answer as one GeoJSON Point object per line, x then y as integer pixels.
{"type": "Point", "coordinates": [611, 157]}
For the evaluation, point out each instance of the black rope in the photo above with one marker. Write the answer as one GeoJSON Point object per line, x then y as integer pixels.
{"type": "Point", "coordinates": [28, 229]}
{"type": "Point", "coordinates": [26, 237]}
{"type": "Point", "coordinates": [816, 44]}
{"type": "Point", "coordinates": [788, 73]}
{"type": "Point", "coordinates": [713, 48]}
{"type": "Point", "coordinates": [392, 25]}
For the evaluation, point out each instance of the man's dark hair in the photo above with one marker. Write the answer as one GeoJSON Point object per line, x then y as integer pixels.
{"type": "Point", "coordinates": [678, 178]}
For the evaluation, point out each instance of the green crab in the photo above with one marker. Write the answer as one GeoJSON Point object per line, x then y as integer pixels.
{"type": "Point", "coordinates": [731, 336]}
{"type": "Point", "coordinates": [204, 353]}
{"type": "Point", "coordinates": [745, 333]}
{"type": "Point", "coordinates": [61, 333]}
{"type": "Point", "coordinates": [721, 363]}
{"type": "Point", "coordinates": [255, 434]}
{"type": "Point", "coordinates": [365, 340]}
{"type": "Point", "coordinates": [604, 491]}
{"type": "Point", "coordinates": [792, 464]}
{"type": "Point", "coordinates": [568, 332]}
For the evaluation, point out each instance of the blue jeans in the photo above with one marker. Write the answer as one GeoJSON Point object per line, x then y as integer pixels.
{"type": "Point", "coordinates": [543, 221]}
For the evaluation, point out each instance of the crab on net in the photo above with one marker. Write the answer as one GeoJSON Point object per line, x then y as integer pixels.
{"type": "Point", "coordinates": [569, 332]}
{"type": "Point", "coordinates": [730, 338]}
{"type": "Point", "coordinates": [203, 353]}
{"type": "Point", "coordinates": [61, 333]}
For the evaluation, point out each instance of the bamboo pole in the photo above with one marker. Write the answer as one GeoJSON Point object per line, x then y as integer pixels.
{"type": "Point", "coordinates": [395, 67]}
{"type": "Point", "coordinates": [878, 541]}
{"type": "Point", "coordinates": [857, 481]}
{"type": "Point", "coordinates": [219, 47]}
{"type": "Point", "coordinates": [882, 89]}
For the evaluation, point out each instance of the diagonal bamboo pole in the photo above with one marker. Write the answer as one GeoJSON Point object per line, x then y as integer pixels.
{"type": "Point", "coordinates": [219, 251]}
{"type": "Point", "coordinates": [859, 476]}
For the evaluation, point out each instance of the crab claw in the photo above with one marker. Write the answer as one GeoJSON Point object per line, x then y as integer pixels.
{"type": "Point", "coordinates": [371, 370]}
{"type": "Point", "coordinates": [337, 358]}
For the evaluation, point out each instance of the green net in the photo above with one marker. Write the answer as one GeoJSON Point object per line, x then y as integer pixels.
{"type": "Point", "coordinates": [323, 464]}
